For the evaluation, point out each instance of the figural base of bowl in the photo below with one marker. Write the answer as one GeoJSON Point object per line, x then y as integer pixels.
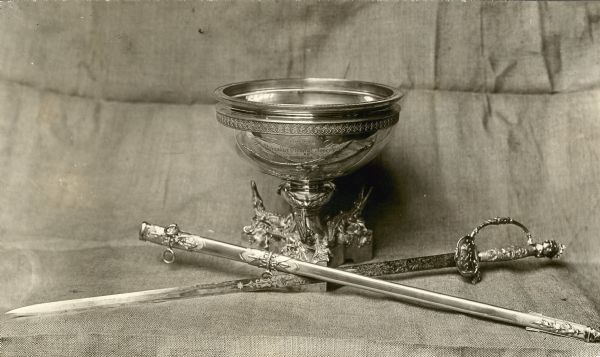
{"type": "Point", "coordinates": [303, 234]}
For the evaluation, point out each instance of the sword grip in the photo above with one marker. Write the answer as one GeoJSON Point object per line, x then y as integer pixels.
{"type": "Point", "coordinates": [546, 249]}
{"type": "Point", "coordinates": [467, 256]}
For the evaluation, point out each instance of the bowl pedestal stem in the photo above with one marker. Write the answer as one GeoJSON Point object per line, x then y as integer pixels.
{"type": "Point", "coordinates": [302, 233]}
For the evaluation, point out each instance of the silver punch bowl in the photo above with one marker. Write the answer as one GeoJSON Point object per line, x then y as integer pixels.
{"type": "Point", "coordinates": [308, 132]}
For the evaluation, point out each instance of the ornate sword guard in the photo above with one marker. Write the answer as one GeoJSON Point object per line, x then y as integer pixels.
{"type": "Point", "coordinates": [467, 256]}
{"type": "Point", "coordinates": [302, 235]}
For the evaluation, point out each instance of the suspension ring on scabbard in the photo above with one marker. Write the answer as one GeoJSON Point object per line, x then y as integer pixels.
{"type": "Point", "coordinates": [168, 255]}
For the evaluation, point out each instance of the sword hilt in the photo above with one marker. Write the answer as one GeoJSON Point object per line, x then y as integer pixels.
{"type": "Point", "coordinates": [467, 256]}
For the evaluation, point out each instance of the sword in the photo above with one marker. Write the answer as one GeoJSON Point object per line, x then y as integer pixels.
{"type": "Point", "coordinates": [466, 259]}
{"type": "Point", "coordinates": [172, 237]}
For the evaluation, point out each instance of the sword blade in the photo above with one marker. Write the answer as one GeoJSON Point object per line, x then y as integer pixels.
{"type": "Point", "coordinates": [154, 296]}
{"type": "Point", "coordinates": [398, 266]}
{"type": "Point", "coordinates": [279, 282]}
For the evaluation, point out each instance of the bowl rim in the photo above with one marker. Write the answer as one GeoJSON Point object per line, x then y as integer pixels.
{"type": "Point", "coordinates": [230, 94]}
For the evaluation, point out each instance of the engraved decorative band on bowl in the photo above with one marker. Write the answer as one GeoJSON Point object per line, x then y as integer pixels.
{"type": "Point", "coordinates": [290, 128]}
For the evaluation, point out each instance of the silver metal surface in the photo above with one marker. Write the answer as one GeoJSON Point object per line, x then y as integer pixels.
{"type": "Point", "coordinates": [280, 282]}
{"type": "Point", "coordinates": [172, 237]}
{"type": "Point", "coordinates": [292, 283]}
{"type": "Point", "coordinates": [467, 256]}
{"type": "Point", "coordinates": [309, 99]}
{"type": "Point", "coordinates": [308, 129]}
{"type": "Point", "coordinates": [308, 132]}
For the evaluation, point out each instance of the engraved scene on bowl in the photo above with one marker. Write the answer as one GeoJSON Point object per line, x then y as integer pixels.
{"type": "Point", "coordinates": [310, 157]}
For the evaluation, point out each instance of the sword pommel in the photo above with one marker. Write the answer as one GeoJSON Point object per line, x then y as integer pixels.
{"type": "Point", "coordinates": [549, 249]}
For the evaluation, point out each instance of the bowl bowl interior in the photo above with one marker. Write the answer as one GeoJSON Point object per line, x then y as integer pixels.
{"type": "Point", "coordinates": [311, 94]}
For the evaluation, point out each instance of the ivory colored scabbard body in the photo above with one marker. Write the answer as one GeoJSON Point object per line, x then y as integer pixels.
{"type": "Point", "coordinates": [172, 237]}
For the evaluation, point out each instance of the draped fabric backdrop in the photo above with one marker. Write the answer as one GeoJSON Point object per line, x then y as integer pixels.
{"type": "Point", "coordinates": [107, 119]}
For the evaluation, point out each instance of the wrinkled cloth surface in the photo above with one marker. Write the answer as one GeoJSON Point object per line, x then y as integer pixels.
{"type": "Point", "coordinates": [107, 120]}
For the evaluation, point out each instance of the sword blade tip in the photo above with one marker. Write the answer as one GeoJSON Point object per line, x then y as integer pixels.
{"type": "Point", "coordinates": [22, 312]}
